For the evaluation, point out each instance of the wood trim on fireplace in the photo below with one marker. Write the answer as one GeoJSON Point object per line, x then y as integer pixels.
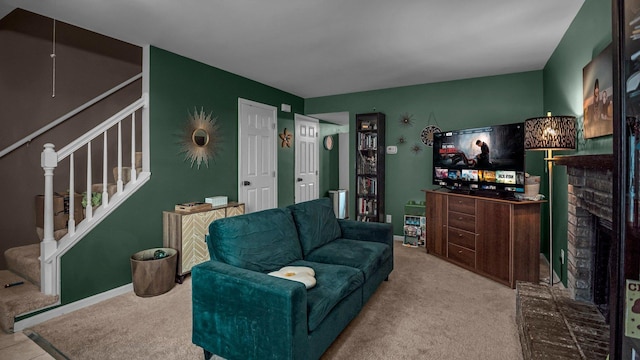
{"type": "Point", "coordinates": [599, 161]}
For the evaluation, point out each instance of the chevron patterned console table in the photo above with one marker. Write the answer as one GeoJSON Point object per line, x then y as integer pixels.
{"type": "Point", "coordinates": [186, 232]}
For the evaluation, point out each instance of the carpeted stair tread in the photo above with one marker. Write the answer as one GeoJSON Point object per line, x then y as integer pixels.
{"type": "Point", "coordinates": [24, 261]}
{"type": "Point", "coordinates": [20, 299]}
{"type": "Point", "coordinates": [126, 174]}
{"type": "Point", "coordinates": [57, 234]}
{"type": "Point", "coordinates": [111, 188]}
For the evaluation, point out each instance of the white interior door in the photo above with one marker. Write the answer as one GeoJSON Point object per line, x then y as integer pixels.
{"type": "Point", "coordinates": [306, 158]}
{"type": "Point", "coordinates": [257, 156]}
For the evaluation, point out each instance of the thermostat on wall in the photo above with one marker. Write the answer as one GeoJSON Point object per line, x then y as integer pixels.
{"type": "Point", "coordinates": [392, 149]}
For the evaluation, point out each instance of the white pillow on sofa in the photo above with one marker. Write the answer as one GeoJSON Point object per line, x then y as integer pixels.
{"type": "Point", "coordinates": [303, 274]}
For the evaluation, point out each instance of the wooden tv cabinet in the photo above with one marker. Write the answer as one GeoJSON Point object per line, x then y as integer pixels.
{"type": "Point", "coordinates": [496, 238]}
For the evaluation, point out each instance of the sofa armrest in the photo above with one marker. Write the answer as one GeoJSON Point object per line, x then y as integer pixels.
{"type": "Point", "coordinates": [367, 231]}
{"type": "Point", "coordinates": [238, 313]}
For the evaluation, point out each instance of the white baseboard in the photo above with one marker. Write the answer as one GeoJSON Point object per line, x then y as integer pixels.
{"type": "Point", "coordinates": [398, 237]}
{"type": "Point", "coordinates": [65, 309]}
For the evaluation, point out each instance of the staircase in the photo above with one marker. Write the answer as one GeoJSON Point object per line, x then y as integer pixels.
{"type": "Point", "coordinates": [34, 270]}
{"type": "Point", "coordinates": [23, 264]}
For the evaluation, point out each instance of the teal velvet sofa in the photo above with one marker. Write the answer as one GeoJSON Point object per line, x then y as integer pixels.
{"type": "Point", "coordinates": [240, 312]}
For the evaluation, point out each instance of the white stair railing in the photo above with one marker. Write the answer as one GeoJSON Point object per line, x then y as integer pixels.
{"type": "Point", "coordinates": [50, 249]}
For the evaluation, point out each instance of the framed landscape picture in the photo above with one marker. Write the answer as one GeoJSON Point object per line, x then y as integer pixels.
{"type": "Point", "coordinates": [597, 90]}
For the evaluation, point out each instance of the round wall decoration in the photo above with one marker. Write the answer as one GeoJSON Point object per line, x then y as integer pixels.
{"type": "Point", "coordinates": [427, 134]}
{"type": "Point", "coordinates": [406, 119]}
{"type": "Point", "coordinates": [201, 138]}
{"type": "Point", "coordinates": [328, 142]}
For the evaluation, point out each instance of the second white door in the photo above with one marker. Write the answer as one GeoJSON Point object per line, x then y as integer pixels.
{"type": "Point", "coordinates": [306, 158]}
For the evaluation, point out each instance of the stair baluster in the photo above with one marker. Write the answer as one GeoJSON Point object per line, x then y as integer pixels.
{"type": "Point", "coordinates": [105, 174]}
{"type": "Point", "coordinates": [72, 203]}
{"type": "Point", "coordinates": [89, 208]}
{"type": "Point", "coordinates": [133, 149]}
{"type": "Point", "coordinates": [119, 182]}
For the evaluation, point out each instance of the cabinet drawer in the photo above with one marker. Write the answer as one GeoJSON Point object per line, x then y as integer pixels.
{"type": "Point", "coordinates": [462, 205]}
{"type": "Point", "coordinates": [462, 221]}
{"type": "Point", "coordinates": [462, 255]}
{"type": "Point", "coordinates": [462, 238]}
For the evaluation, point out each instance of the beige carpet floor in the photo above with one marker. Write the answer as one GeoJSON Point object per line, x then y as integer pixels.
{"type": "Point", "coordinates": [429, 309]}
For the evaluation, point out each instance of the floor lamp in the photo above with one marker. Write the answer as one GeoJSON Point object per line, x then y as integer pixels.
{"type": "Point", "coordinates": [550, 133]}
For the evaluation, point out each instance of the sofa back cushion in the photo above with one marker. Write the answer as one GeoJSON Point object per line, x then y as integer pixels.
{"type": "Point", "coordinates": [261, 241]}
{"type": "Point", "coordinates": [317, 224]}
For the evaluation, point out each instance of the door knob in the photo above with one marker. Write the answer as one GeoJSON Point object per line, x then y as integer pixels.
{"type": "Point", "coordinates": [246, 183]}
{"type": "Point", "coordinates": [299, 179]}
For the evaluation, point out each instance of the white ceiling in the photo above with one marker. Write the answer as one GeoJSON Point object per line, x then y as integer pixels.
{"type": "Point", "coordinates": [325, 47]}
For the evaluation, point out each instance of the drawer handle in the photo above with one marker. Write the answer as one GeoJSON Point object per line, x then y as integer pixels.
{"type": "Point", "coordinates": [460, 235]}
{"type": "Point", "coordinates": [459, 251]}
{"type": "Point", "coordinates": [460, 218]}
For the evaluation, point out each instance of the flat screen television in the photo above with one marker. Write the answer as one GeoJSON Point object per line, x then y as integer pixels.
{"type": "Point", "coordinates": [486, 161]}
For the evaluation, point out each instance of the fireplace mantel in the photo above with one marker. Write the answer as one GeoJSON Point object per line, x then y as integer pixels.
{"type": "Point", "coordinates": [598, 161]}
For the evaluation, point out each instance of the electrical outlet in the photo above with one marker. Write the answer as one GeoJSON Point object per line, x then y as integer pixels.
{"type": "Point", "coordinates": [389, 218]}
{"type": "Point", "coordinates": [561, 256]}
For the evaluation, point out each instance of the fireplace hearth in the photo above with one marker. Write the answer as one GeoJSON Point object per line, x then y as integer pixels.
{"type": "Point", "coordinates": [551, 325]}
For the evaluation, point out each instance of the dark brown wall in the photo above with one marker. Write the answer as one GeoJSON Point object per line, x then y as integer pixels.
{"type": "Point", "coordinates": [87, 64]}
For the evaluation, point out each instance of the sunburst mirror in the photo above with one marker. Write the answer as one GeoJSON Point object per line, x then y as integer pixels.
{"type": "Point", "coordinates": [201, 138]}
{"type": "Point", "coordinates": [406, 119]}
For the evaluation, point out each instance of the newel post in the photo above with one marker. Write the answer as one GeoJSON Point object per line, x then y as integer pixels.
{"type": "Point", "coordinates": [48, 161]}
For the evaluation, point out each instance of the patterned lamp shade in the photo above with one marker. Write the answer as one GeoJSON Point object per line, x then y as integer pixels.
{"type": "Point", "coordinates": [550, 133]}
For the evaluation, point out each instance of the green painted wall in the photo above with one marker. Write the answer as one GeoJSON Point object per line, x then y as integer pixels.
{"type": "Point", "coordinates": [101, 260]}
{"type": "Point", "coordinates": [588, 35]}
{"type": "Point", "coordinates": [453, 105]}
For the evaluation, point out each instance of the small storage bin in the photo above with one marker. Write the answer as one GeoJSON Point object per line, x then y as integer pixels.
{"type": "Point", "coordinates": [151, 276]}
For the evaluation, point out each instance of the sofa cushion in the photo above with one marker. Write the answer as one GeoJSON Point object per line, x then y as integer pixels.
{"type": "Point", "coordinates": [334, 283]}
{"type": "Point", "coordinates": [316, 222]}
{"type": "Point", "coordinates": [261, 241]}
{"type": "Point", "coordinates": [367, 256]}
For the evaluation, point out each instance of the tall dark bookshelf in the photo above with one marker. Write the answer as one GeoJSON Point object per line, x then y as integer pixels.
{"type": "Point", "coordinates": [370, 150]}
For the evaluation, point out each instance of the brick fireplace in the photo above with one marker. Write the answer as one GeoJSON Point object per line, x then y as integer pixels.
{"type": "Point", "coordinates": [590, 206]}
{"type": "Point", "coordinates": [558, 323]}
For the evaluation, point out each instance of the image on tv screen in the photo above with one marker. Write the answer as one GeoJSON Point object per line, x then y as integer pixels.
{"type": "Point", "coordinates": [491, 155]}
